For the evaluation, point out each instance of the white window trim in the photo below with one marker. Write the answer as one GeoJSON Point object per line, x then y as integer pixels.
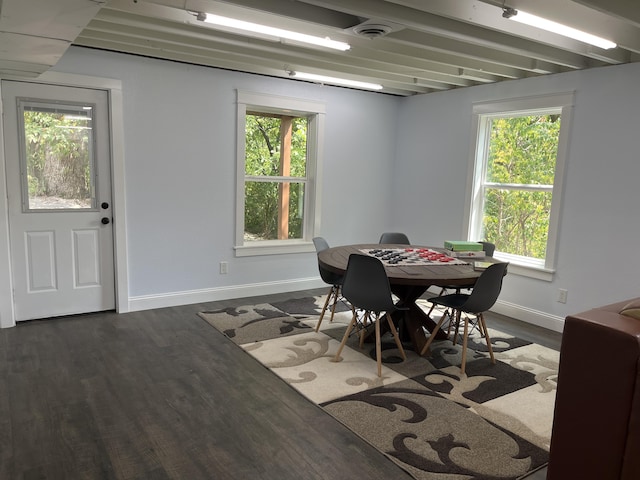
{"type": "Point", "coordinates": [268, 103]}
{"type": "Point", "coordinates": [563, 104]}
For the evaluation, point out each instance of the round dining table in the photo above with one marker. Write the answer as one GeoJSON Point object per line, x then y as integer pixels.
{"type": "Point", "coordinates": [408, 282]}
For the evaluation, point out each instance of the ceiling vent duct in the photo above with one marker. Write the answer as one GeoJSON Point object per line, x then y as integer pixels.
{"type": "Point", "coordinates": [372, 30]}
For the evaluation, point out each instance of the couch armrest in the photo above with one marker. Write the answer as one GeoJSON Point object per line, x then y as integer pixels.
{"type": "Point", "coordinates": [596, 429]}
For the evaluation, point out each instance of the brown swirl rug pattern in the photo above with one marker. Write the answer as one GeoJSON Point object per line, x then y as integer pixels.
{"type": "Point", "coordinates": [492, 423]}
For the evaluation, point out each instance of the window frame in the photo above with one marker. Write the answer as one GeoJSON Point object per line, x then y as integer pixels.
{"type": "Point", "coordinates": [561, 103]}
{"type": "Point", "coordinates": [289, 106]}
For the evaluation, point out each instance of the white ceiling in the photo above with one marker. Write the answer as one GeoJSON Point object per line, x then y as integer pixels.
{"type": "Point", "coordinates": [427, 45]}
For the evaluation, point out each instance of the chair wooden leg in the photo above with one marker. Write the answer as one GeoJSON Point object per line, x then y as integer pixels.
{"type": "Point", "coordinates": [477, 325]}
{"type": "Point", "coordinates": [366, 319]}
{"type": "Point", "coordinates": [396, 337]}
{"type": "Point", "coordinates": [456, 330]}
{"type": "Point", "coordinates": [432, 336]}
{"type": "Point", "coordinates": [484, 326]}
{"type": "Point", "coordinates": [345, 338]}
{"type": "Point", "coordinates": [336, 295]}
{"type": "Point", "coordinates": [464, 344]}
{"type": "Point", "coordinates": [378, 347]}
{"type": "Point", "coordinates": [447, 312]}
{"type": "Point", "coordinates": [324, 309]}
{"type": "Point", "coordinates": [486, 336]}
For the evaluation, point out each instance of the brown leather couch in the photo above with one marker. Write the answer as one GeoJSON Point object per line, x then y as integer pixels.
{"type": "Point", "coordinates": [596, 426]}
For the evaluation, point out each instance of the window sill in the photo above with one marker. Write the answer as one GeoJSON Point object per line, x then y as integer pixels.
{"type": "Point", "coordinates": [273, 248]}
{"type": "Point", "coordinates": [526, 270]}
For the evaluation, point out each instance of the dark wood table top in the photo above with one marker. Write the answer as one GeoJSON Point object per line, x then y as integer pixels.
{"type": "Point", "coordinates": [335, 259]}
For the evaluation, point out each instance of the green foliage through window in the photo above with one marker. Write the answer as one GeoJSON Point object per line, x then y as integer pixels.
{"type": "Point", "coordinates": [518, 185]}
{"type": "Point", "coordinates": [275, 176]}
{"type": "Point", "coordinates": [58, 154]}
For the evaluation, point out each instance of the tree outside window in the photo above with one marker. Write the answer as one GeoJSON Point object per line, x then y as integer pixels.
{"type": "Point", "coordinates": [58, 150]}
{"type": "Point", "coordinates": [275, 176]}
{"type": "Point", "coordinates": [518, 186]}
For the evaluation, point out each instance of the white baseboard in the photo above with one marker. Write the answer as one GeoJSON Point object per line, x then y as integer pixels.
{"type": "Point", "coordinates": [524, 314]}
{"type": "Point", "coordinates": [174, 299]}
{"type": "Point", "coordinates": [529, 315]}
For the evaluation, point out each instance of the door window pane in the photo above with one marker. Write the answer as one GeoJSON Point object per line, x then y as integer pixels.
{"type": "Point", "coordinates": [57, 161]}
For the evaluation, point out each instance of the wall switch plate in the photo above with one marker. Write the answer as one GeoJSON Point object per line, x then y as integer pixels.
{"type": "Point", "coordinates": [562, 295]}
{"type": "Point", "coordinates": [224, 267]}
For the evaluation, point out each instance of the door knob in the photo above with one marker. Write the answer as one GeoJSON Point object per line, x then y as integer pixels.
{"type": "Point", "coordinates": [105, 220]}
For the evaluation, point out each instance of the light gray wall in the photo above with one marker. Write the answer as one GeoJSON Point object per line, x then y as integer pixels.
{"type": "Point", "coordinates": [180, 163]}
{"type": "Point", "coordinates": [600, 216]}
{"type": "Point", "coordinates": [389, 163]}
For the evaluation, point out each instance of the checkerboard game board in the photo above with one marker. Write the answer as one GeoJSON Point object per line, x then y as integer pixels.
{"type": "Point", "coordinates": [412, 256]}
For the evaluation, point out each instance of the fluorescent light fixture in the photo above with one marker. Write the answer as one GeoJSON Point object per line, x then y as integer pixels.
{"type": "Point", "coordinates": [551, 26]}
{"type": "Point", "coordinates": [272, 31]}
{"type": "Point", "coordinates": [335, 80]}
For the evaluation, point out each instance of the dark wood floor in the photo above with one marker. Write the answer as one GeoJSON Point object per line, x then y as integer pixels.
{"type": "Point", "coordinates": [159, 394]}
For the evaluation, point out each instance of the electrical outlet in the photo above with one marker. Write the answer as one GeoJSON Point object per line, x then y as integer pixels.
{"type": "Point", "coordinates": [562, 295]}
{"type": "Point", "coordinates": [224, 267]}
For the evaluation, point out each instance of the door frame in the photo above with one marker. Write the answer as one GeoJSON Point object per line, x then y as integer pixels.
{"type": "Point", "coordinates": [113, 88]}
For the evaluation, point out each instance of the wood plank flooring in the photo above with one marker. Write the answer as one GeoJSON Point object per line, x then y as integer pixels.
{"type": "Point", "coordinates": [159, 394]}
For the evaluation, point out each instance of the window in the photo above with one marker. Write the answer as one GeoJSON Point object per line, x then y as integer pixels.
{"type": "Point", "coordinates": [278, 170]}
{"type": "Point", "coordinates": [57, 158]}
{"type": "Point", "coordinates": [517, 179]}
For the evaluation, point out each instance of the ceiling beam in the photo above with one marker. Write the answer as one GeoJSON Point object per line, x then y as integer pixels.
{"type": "Point", "coordinates": [223, 61]}
{"type": "Point", "coordinates": [478, 52]}
{"type": "Point", "coordinates": [481, 23]}
{"type": "Point", "coordinates": [382, 54]}
{"type": "Point", "coordinates": [418, 57]}
{"type": "Point", "coordinates": [626, 10]}
{"type": "Point", "coordinates": [253, 52]}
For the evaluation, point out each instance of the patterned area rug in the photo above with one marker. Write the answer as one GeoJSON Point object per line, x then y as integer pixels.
{"type": "Point", "coordinates": [492, 423]}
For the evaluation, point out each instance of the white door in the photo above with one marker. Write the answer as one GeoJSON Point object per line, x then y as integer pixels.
{"type": "Point", "coordinates": [58, 171]}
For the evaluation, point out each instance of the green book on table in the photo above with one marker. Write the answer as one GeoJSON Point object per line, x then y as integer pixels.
{"type": "Point", "coordinates": [462, 246]}
{"type": "Point", "coordinates": [481, 265]}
